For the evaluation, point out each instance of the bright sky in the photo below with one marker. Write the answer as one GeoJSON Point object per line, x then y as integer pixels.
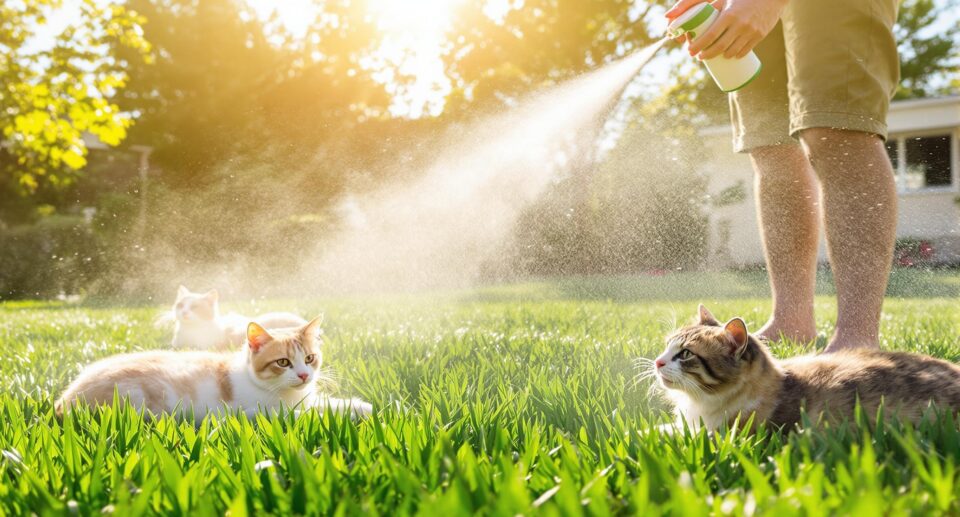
{"type": "Point", "coordinates": [413, 43]}
{"type": "Point", "coordinates": [413, 32]}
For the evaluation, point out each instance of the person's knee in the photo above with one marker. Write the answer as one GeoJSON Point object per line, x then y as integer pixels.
{"type": "Point", "coordinates": [825, 142]}
{"type": "Point", "coordinates": [775, 152]}
{"type": "Point", "coordinates": [774, 158]}
{"type": "Point", "coordinates": [843, 153]}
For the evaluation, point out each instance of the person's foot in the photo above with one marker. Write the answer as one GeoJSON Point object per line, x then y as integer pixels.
{"type": "Point", "coordinates": [841, 341]}
{"type": "Point", "coordinates": [795, 331]}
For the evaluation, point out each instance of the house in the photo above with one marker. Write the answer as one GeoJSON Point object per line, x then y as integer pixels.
{"type": "Point", "coordinates": [924, 147]}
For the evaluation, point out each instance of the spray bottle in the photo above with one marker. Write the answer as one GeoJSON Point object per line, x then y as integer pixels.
{"type": "Point", "coordinates": [729, 74]}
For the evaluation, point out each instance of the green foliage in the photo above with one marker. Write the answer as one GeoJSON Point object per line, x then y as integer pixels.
{"type": "Point", "coordinates": [224, 84]}
{"type": "Point", "coordinates": [627, 214]}
{"type": "Point", "coordinates": [51, 97]}
{"type": "Point", "coordinates": [541, 42]}
{"type": "Point", "coordinates": [58, 255]}
{"type": "Point", "coordinates": [652, 212]}
{"type": "Point", "coordinates": [228, 87]}
{"type": "Point", "coordinates": [732, 195]}
{"type": "Point", "coordinates": [196, 99]}
{"type": "Point", "coordinates": [926, 57]}
{"type": "Point", "coordinates": [253, 129]}
{"type": "Point", "coordinates": [492, 407]}
{"type": "Point", "coordinates": [258, 230]}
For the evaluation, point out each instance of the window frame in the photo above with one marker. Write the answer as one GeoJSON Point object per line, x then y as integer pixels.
{"type": "Point", "coordinates": [900, 168]}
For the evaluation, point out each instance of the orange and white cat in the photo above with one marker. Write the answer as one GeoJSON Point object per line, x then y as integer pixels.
{"type": "Point", "coordinates": [274, 370]}
{"type": "Point", "coordinates": [715, 372]}
{"type": "Point", "coordinates": [199, 323]}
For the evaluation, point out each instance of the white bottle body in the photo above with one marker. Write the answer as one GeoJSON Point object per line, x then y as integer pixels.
{"type": "Point", "coordinates": [729, 74]}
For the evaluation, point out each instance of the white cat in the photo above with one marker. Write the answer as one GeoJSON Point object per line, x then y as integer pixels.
{"type": "Point", "coordinates": [272, 371]}
{"type": "Point", "coordinates": [199, 323]}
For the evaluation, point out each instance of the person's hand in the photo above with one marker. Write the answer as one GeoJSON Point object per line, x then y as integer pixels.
{"type": "Point", "coordinates": [742, 24]}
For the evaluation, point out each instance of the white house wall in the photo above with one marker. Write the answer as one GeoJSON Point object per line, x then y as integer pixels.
{"type": "Point", "coordinates": [934, 216]}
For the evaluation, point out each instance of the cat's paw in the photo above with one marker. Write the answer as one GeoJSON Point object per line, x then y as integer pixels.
{"type": "Point", "coordinates": [355, 407]}
{"type": "Point", "coordinates": [668, 429]}
{"type": "Point", "coordinates": [359, 408]}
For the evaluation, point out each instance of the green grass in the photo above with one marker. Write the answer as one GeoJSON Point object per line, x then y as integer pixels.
{"type": "Point", "coordinates": [501, 401]}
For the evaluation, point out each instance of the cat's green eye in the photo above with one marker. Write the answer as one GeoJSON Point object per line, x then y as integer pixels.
{"type": "Point", "coordinates": [684, 354]}
{"type": "Point", "coordinates": [309, 359]}
{"type": "Point", "coordinates": [283, 363]}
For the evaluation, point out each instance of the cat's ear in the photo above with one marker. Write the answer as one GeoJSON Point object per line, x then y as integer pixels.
{"type": "Point", "coordinates": [212, 295]}
{"type": "Point", "coordinates": [705, 317]}
{"type": "Point", "coordinates": [182, 291]}
{"type": "Point", "coordinates": [257, 336]}
{"type": "Point", "coordinates": [737, 330]}
{"type": "Point", "coordinates": [312, 330]}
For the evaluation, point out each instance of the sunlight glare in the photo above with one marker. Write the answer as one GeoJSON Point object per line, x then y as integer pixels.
{"type": "Point", "coordinates": [422, 16]}
{"type": "Point", "coordinates": [295, 15]}
{"type": "Point", "coordinates": [413, 40]}
{"type": "Point", "coordinates": [409, 60]}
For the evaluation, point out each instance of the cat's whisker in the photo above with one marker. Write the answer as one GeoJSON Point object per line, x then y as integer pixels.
{"type": "Point", "coordinates": [655, 386]}
{"type": "Point", "coordinates": [669, 322]}
{"type": "Point", "coordinates": [329, 373]}
{"type": "Point", "coordinates": [642, 377]}
{"type": "Point", "coordinates": [646, 372]}
{"type": "Point", "coordinates": [642, 365]}
{"type": "Point", "coordinates": [637, 380]}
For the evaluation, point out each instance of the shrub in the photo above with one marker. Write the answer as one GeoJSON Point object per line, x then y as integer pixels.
{"type": "Point", "coordinates": [55, 256]}
{"type": "Point", "coordinates": [640, 210]}
{"type": "Point", "coordinates": [913, 253]}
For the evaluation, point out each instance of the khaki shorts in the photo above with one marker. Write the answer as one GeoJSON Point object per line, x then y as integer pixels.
{"type": "Point", "coordinates": [828, 63]}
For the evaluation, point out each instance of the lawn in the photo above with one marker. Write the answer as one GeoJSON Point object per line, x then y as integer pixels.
{"type": "Point", "coordinates": [500, 401]}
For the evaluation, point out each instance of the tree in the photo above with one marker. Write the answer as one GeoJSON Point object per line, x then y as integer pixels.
{"type": "Point", "coordinates": [492, 61]}
{"type": "Point", "coordinates": [249, 90]}
{"type": "Point", "coordinates": [926, 57]}
{"type": "Point", "coordinates": [51, 97]}
{"type": "Point", "coordinates": [199, 99]}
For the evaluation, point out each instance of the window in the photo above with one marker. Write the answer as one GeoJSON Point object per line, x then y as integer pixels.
{"type": "Point", "coordinates": [893, 150]}
{"type": "Point", "coordinates": [922, 162]}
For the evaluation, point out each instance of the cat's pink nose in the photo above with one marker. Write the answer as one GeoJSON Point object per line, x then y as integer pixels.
{"type": "Point", "coordinates": [659, 363]}
{"type": "Point", "coordinates": [303, 376]}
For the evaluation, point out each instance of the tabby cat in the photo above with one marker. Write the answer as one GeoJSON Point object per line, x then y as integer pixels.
{"type": "Point", "coordinates": [716, 372]}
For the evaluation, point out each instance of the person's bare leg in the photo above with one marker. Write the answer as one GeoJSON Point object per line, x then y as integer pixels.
{"type": "Point", "coordinates": [860, 214]}
{"type": "Point", "coordinates": [789, 215]}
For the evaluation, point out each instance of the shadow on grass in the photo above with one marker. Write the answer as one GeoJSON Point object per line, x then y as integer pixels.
{"type": "Point", "coordinates": [685, 286]}
{"type": "Point", "coordinates": [904, 283]}
{"type": "Point", "coordinates": [89, 303]}
{"type": "Point", "coordinates": [36, 305]}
